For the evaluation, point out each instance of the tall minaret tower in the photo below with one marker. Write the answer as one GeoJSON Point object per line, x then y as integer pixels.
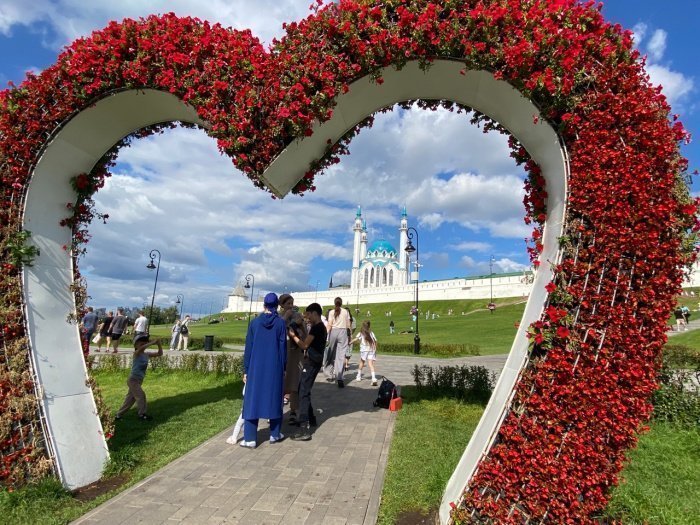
{"type": "Point", "coordinates": [403, 242]}
{"type": "Point", "coordinates": [363, 240]}
{"type": "Point", "coordinates": [356, 248]}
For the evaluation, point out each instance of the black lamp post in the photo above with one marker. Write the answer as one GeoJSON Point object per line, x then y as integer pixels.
{"type": "Point", "coordinates": [181, 302]}
{"type": "Point", "coordinates": [155, 267]}
{"type": "Point", "coordinates": [409, 250]}
{"type": "Point", "coordinates": [492, 306]}
{"type": "Point", "coordinates": [248, 278]}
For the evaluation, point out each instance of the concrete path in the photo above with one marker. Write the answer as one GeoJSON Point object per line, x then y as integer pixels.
{"type": "Point", "coordinates": [336, 478]}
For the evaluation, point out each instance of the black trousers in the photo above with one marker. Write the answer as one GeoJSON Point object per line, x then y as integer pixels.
{"type": "Point", "coordinates": [309, 372]}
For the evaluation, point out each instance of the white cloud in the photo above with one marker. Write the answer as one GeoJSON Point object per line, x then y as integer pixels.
{"type": "Point", "coordinates": [508, 265]}
{"type": "Point", "coordinates": [675, 86]}
{"type": "Point", "coordinates": [472, 246]}
{"type": "Point", "coordinates": [639, 31]}
{"type": "Point", "coordinates": [657, 45]}
{"type": "Point", "coordinates": [70, 19]}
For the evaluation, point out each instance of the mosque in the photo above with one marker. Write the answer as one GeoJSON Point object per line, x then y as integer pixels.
{"type": "Point", "coordinates": [380, 273]}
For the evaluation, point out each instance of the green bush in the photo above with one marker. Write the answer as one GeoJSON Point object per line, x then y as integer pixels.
{"type": "Point", "coordinates": [219, 364]}
{"type": "Point", "coordinates": [681, 356]}
{"type": "Point", "coordinates": [441, 350]}
{"type": "Point", "coordinates": [469, 383]}
{"type": "Point", "coordinates": [678, 398]}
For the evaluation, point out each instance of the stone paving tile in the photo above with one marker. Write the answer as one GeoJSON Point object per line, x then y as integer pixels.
{"type": "Point", "coordinates": [198, 515]}
{"type": "Point", "coordinates": [256, 517]}
{"type": "Point", "coordinates": [153, 513]}
{"type": "Point", "coordinates": [298, 513]}
{"type": "Point", "coordinates": [114, 514]}
{"type": "Point", "coordinates": [181, 513]}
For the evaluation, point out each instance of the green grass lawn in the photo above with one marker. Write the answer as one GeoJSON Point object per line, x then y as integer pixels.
{"type": "Point", "coordinates": [429, 438]}
{"type": "Point", "coordinates": [187, 409]}
{"type": "Point", "coordinates": [661, 483]}
{"type": "Point", "coordinates": [492, 332]}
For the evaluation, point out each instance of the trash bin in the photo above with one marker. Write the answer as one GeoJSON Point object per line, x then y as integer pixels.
{"type": "Point", "coordinates": [208, 343]}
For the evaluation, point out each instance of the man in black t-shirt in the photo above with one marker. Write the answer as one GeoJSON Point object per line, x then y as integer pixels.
{"type": "Point", "coordinates": [313, 347]}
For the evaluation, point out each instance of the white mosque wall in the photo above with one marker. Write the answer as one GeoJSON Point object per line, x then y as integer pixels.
{"type": "Point", "coordinates": [447, 290]}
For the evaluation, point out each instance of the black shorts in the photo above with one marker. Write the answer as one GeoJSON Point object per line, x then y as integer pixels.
{"type": "Point", "coordinates": [115, 337]}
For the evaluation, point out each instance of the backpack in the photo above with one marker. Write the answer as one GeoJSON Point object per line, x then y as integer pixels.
{"type": "Point", "coordinates": [184, 330]}
{"type": "Point", "coordinates": [387, 392]}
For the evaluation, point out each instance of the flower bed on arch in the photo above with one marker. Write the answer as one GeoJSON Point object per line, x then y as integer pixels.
{"type": "Point", "coordinates": [585, 393]}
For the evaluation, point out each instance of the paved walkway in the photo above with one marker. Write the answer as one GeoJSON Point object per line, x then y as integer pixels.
{"type": "Point", "coordinates": [336, 478]}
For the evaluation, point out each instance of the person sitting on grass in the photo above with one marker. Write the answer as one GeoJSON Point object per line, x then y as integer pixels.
{"type": "Point", "coordinates": [138, 373]}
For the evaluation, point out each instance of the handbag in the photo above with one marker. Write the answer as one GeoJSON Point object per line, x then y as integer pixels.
{"type": "Point", "coordinates": [96, 339]}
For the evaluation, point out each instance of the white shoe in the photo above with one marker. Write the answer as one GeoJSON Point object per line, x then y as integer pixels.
{"type": "Point", "coordinates": [358, 378]}
{"type": "Point", "coordinates": [374, 381]}
{"type": "Point", "coordinates": [278, 439]}
{"type": "Point", "coordinates": [248, 444]}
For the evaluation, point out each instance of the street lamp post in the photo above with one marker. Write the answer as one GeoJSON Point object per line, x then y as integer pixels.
{"type": "Point", "coordinates": [316, 296]}
{"type": "Point", "coordinates": [181, 302]}
{"type": "Point", "coordinates": [248, 278]}
{"type": "Point", "coordinates": [155, 267]}
{"type": "Point", "coordinates": [492, 306]}
{"type": "Point", "coordinates": [409, 250]}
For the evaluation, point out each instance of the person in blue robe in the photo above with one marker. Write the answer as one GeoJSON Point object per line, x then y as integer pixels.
{"type": "Point", "coordinates": [264, 363]}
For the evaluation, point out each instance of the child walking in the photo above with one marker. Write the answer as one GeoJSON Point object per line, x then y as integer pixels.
{"type": "Point", "coordinates": [368, 350]}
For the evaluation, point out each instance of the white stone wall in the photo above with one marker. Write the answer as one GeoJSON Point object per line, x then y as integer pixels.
{"type": "Point", "coordinates": [452, 289]}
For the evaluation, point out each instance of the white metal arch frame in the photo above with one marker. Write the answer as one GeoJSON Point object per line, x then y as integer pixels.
{"type": "Point", "coordinates": [74, 429]}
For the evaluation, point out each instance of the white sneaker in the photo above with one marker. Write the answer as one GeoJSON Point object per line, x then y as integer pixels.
{"type": "Point", "coordinates": [374, 381]}
{"type": "Point", "coordinates": [248, 444]}
{"type": "Point", "coordinates": [358, 378]}
{"type": "Point", "coordinates": [278, 439]}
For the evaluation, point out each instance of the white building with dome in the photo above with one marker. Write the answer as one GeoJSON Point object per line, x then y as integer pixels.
{"type": "Point", "coordinates": [380, 265]}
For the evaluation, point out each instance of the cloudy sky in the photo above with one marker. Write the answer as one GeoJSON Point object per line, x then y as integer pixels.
{"type": "Point", "coordinates": [177, 194]}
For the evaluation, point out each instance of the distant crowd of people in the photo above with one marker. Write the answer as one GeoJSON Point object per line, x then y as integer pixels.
{"type": "Point", "coordinates": [285, 351]}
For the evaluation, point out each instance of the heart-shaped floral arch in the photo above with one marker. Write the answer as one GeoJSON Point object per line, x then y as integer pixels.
{"type": "Point", "coordinates": [584, 393]}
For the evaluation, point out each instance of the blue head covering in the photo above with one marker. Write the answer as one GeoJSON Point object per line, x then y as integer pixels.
{"type": "Point", "coordinates": [271, 301]}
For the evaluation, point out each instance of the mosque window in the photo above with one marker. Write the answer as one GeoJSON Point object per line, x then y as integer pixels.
{"type": "Point", "coordinates": [384, 277]}
{"type": "Point", "coordinates": [391, 277]}
{"type": "Point", "coordinates": [366, 278]}
{"type": "Point", "coordinates": [371, 276]}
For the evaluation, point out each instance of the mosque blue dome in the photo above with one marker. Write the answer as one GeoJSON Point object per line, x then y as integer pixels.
{"type": "Point", "coordinates": [381, 248]}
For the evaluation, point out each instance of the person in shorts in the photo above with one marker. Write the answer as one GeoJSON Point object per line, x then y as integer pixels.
{"type": "Point", "coordinates": [119, 324]}
{"type": "Point", "coordinates": [104, 333]}
{"type": "Point", "coordinates": [368, 350]}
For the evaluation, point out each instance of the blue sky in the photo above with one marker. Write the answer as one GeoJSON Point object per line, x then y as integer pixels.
{"type": "Point", "coordinates": [176, 193]}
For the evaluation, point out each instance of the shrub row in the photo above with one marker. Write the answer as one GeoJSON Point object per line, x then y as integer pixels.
{"type": "Point", "coordinates": [678, 398]}
{"type": "Point", "coordinates": [220, 364]}
{"type": "Point", "coordinates": [194, 343]}
{"type": "Point", "coordinates": [441, 350]}
{"type": "Point", "coordinates": [470, 383]}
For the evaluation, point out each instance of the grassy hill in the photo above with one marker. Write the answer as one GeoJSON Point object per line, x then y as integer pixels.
{"type": "Point", "coordinates": [470, 323]}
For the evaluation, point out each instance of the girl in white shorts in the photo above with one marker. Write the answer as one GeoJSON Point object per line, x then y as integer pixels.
{"type": "Point", "coordinates": [368, 349]}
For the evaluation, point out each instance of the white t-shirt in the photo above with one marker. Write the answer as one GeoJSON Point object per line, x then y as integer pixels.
{"type": "Point", "coordinates": [140, 324]}
{"type": "Point", "coordinates": [366, 347]}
